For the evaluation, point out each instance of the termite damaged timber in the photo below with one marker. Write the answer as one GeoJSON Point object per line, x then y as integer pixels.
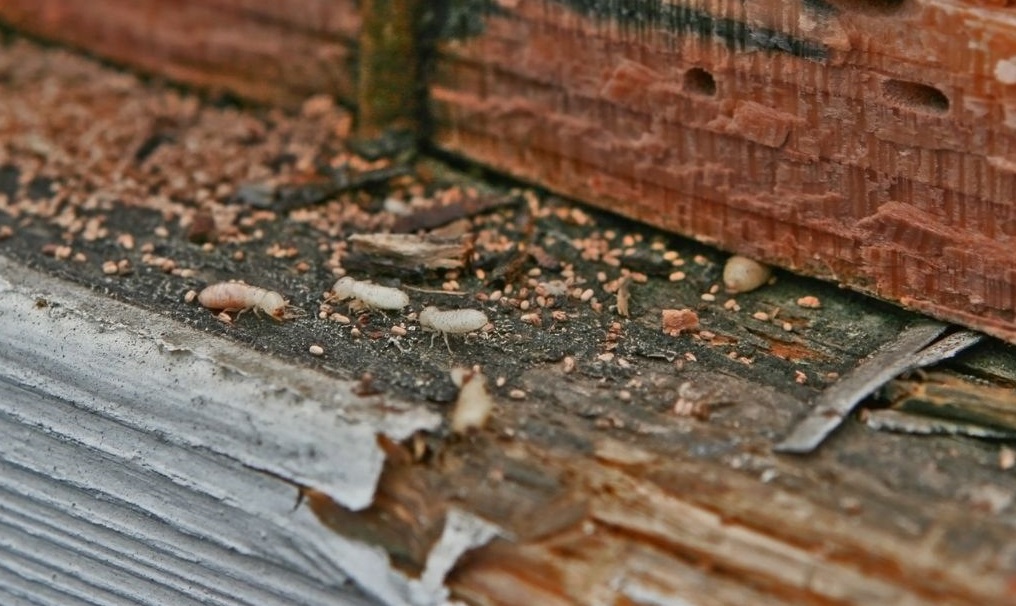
{"type": "Point", "coordinates": [869, 142]}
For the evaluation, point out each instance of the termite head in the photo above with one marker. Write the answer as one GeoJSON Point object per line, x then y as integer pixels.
{"type": "Point", "coordinates": [426, 316]}
{"type": "Point", "coordinates": [277, 308]}
{"type": "Point", "coordinates": [343, 288]}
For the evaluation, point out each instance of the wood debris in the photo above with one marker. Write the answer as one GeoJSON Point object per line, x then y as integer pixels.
{"type": "Point", "coordinates": [410, 251]}
{"type": "Point", "coordinates": [677, 321]}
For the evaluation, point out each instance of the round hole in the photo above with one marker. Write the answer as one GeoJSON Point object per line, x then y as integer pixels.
{"type": "Point", "coordinates": [916, 96]}
{"type": "Point", "coordinates": [699, 81]}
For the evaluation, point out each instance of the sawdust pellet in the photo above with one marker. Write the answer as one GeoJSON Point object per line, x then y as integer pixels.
{"type": "Point", "coordinates": [341, 319]}
{"type": "Point", "coordinates": [596, 306]}
{"type": "Point", "coordinates": [524, 304]}
{"type": "Point", "coordinates": [188, 296]}
{"type": "Point", "coordinates": [6, 232]}
{"type": "Point", "coordinates": [316, 350]}
{"type": "Point", "coordinates": [355, 333]}
{"type": "Point", "coordinates": [741, 274]}
{"type": "Point", "coordinates": [624, 395]}
{"type": "Point", "coordinates": [398, 331]}
{"type": "Point", "coordinates": [708, 297]}
{"type": "Point", "coordinates": [109, 268]}
{"type": "Point", "coordinates": [568, 364]}
{"type": "Point", "coordinates": [495, 296]}
{"type": "Point", "coordinates": [676, 276]}
{"type": "Point", "coordinates": [809, 302]}
{"type": "Point", "coordinates": [761, 316]}
{"type": "Point", "coordinates": [125, 241]}
{"type": "Point", "coordinates": [517, 394]}
{"type": "Point", "coordinates": [800, 378]}
{"type": "Point", "coordinates": [238, 255]}
{"type": "Point", "coordinates": [787, 326]}
{"type": "Point", "coordinates": [586, 295]}
{"type": "Point", "coordinates": [161, 232]}
{"type": "Point", "coordinates": [500, 381]}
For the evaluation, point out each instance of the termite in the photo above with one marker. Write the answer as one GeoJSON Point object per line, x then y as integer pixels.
{"type": "Point", "coordinates": [239, 297]}
{"type": "Point", "coordinates": [373, 296]}
{"type": "Point", "coordinates": [453, 321]}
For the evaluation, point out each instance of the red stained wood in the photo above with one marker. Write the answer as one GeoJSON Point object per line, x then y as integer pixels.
{"type": "Point", "coordinates": [275, 52]}
{"type": "Point", "coordinates": [885, 164]}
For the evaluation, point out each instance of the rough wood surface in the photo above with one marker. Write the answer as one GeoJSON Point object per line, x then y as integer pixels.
{"type": "Point", "coordinates": [144, 463]}
{"type": "Point", "coordinates": [623, 463]}
{"type": "Point", "coordinates": [866, 142]}
{"type": "Point", "coordinates": [277, 52]}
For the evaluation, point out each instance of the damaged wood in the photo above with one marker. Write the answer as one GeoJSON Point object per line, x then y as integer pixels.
{"type": "Point", "coordinates": [702, 120]}
{"type": "Point", "coordinates": [633, 524]}
{"type": "Point", "coordinates": [623, 459]}
{"type": "Point", "coordinates": [263, 51]}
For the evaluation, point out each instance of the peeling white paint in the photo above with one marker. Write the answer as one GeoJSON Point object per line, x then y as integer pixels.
{"type": "Point", "coordinates": [140, 415]}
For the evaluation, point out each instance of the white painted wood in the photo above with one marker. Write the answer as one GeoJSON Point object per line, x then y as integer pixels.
{"type": "Point", "coordinates": [133, 460]}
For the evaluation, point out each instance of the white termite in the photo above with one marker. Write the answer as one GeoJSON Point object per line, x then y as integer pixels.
{"type": "Point", "coordinates": [239, 297]}
{"type": "Point", "coordinates": [369, 294]}
{"type": "Point", "coordinates": [451, 321]}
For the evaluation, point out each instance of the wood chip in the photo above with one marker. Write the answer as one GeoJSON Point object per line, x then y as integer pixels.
{"type": "Point", "coordinates": [676, 321]}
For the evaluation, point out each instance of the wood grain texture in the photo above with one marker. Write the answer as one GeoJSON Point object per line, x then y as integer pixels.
{"type": "Point", "coordinates": [866, 142]}
{"type": "Point", "coordinates": [266, 51]}
{"type": "Point", "coordinates": [142, 462]}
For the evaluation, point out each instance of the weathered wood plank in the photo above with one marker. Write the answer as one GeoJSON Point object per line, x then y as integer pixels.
{"type": "Point", "coordinates": [862, 142]}
{"type": "Point", "coordinates": [267, 51]}
{"type": "Point", "coordinates": [622, 464]}
{"type": "Point", "coordinates": [137, 465]}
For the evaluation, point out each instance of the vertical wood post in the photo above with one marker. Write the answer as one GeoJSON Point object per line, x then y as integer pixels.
{"type": "Point", "coordinates": [389, 93]}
